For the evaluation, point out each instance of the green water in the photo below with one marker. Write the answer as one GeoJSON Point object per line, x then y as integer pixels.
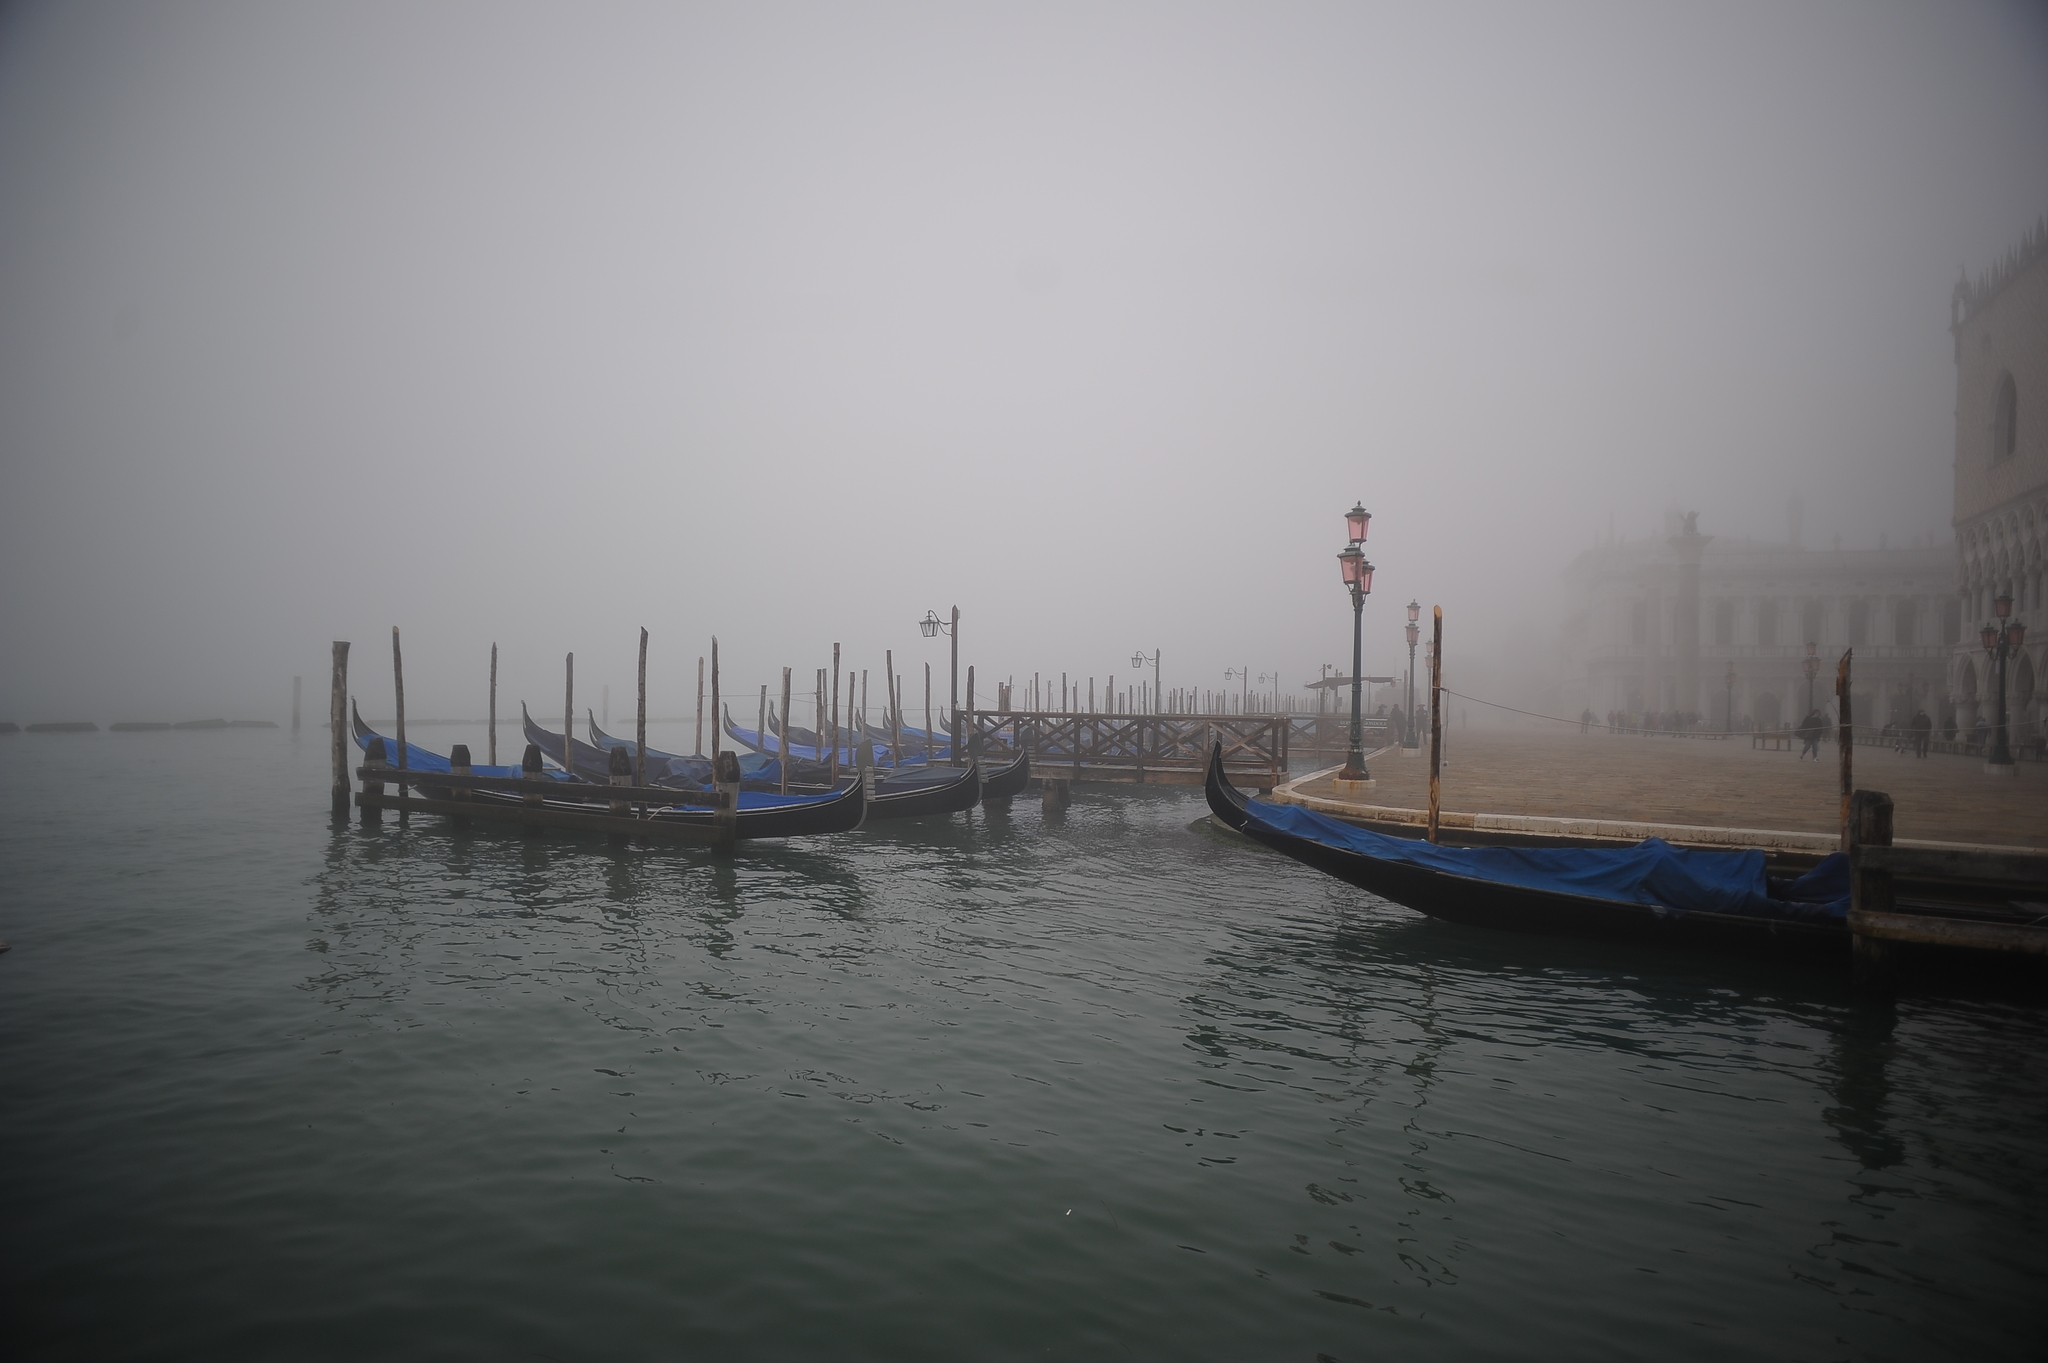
{"type": "Point", "coordinates": [1099, 1086]}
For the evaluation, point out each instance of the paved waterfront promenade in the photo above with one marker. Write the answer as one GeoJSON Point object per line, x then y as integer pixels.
{"type": "Point", "coordinates": [1566, 774]}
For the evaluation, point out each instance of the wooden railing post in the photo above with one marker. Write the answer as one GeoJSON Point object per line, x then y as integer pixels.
{"type": "Point", "coordinates": [1873, 959]}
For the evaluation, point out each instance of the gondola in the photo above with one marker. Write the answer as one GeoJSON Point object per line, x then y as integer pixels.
{"type": "Point", "coordinates": [593, 762]}
{"type": "Point", "coordinates": [1650, 892]}
{"type": "Point", "coordinates": [760, 814]}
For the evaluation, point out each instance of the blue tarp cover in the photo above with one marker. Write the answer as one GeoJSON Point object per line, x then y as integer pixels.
{"type": "Point", "coordinates": [1652, 873]}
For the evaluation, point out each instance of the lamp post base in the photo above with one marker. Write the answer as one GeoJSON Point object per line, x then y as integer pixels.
{"type": "Point", "coordinates": [1344, 785]}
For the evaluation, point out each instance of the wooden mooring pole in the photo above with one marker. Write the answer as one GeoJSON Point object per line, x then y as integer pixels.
{"type": "Point", "coordinates": [1436, 725]}
{"type": "Point", "coordinates": [337, 725]}
{"type": "Point", "coordinates": [930, 741]}
{"type": "Point", "coordinates": [297, 682]}
{"type": "Point", "coordinates": [782, 748]}
{"type": "Point", "coordinates": [717, 728]}
{"type": "Point", "coordinates": [835, 714]}
{"type": "Point", "coordinates": [494, 705]}
{"type": "Point", "coordinates": [698, 751]}
{"type": "Point", "coordinates": [640, 718]}
{"type": "Point", "coordinates": [1872, 959]}
{"type": "Point", "coordinates": [398, 689]}
{"type": "Point", "coordinates": [569, 714]}
{"type": "Point", "coordinates": [1845, 739]}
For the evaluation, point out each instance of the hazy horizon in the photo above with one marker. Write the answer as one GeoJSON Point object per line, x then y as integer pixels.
{"type": "Point", "coordinates": [789, 323]}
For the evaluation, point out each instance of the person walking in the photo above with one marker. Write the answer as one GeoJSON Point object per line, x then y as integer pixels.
{"type": "Point", "coordinates": [1923, 729]}
{"type": "Point", "coordinates": [1810, 730]}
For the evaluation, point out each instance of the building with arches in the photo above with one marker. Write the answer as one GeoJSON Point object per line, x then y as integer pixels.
{"type": "Point", "coordinates": [2000, 325]}
{"type": "Point", "coordinates": [1662, 621]}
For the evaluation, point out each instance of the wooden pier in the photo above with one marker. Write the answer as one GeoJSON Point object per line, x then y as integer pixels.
{"type": "Point", "coordinates": [1071, 747]}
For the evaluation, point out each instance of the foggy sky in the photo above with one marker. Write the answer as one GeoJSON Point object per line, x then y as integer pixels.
{"type": "Point", "coordinates": [787, 323]}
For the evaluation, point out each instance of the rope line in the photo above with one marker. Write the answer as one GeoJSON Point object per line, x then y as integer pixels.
{"type": "Point", "coordinates": [1595, 723]}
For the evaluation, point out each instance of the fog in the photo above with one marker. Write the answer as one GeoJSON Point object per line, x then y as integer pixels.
{"type": "Point", "coordinates": [538, 324]}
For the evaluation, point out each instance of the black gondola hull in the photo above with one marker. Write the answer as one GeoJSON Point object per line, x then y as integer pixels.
{"type": "Point", "coordinates": [1491, 904]}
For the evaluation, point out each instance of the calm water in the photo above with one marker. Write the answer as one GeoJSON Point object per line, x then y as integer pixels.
{"type": "Point", "coordinates": [1097, 1087]}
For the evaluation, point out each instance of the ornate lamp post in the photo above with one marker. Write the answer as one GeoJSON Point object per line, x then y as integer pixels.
{"type": "Point", "coordinates": [1728, 725]}
{"type": "Point", "coordinates": [1811, 667]}
{"type": "Point", "coordinates": [1358, 577]}
{"type": "Point", "coordinates": [2000, 643]}
{"type": "Point", "coordinates": [1414, 632]}
{"type": "Point", "coordinates": [930, 627]}
{"type": "Point", "coordinates": [1138, 661]}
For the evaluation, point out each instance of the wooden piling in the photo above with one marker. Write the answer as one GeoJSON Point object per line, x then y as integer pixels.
{"type": "Point", "coordinates": [494, 705]}
{"type": "Point", "coordinates": [725, 779]}
{"type": "Point", "coordinates": [761, 719]}
{"type": "Point", "coordinates": [398, 688]}
{"type": "Point", "coordinates": [1845, 739]}
{"type": "Point", "coordinates": [835, 713]}
{"type": "Point", "coordinates": [1436, 724]}
{"type": "Point", "coordinates": [860, 723]}
{"type": "Point", "coordinates": [530, 768]}
{"type": "Point", "coordinates": [620, 769]}
{"type": "Point", "coordinates": [569, 714]}
{"type": "Point", "coordinates": [717, 728]}
{"type": "Point", "coordinates": [297, 683]}
{"type": "Point", "coordinates": [930, 742]}
{"type": "Point", "coordinates": [1873, 960]}
{"type": "Point", "coordinates": [374, 760]}
{"type": "Point", "coordinates": [337, 726]}
{"type": "Point", "coordinates": [895, 729]}
{"type": "Point", "coordinates": [698, 751]}
{"type": "Point", "coordinates": [782, 748]}
{"type": "Point", "coordinates": [458, 765]}
{"type": "Point", "coordinates": [640, 720]}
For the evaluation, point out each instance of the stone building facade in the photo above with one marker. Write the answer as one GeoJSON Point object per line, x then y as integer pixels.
{"type": "Point", "coordinates": [2000, 324]}
{"type": "Point", "coordinates": [1654, 634]}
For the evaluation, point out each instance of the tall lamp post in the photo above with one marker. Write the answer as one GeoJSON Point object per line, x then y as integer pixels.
{"type": "Point", "coordinates": [1811, 667]}
{"type": "Point", "coordinates": [1138, 661]}
{"type": "Point", "coordinates": [1358, 577]}
{"type": "Point", "coordinates": [1409, 740]}
{"type": "Point", "coordinates": [1728, 725]}
{"type": "Point", "coordinates": [930, 627]}
{"type": "Point", "coordinates": [2001, 642]}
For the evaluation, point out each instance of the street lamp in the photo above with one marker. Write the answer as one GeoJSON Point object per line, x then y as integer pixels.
{"type": "Point", "coordinates": [1414, 633]}
{"type": "Point", "coordinates": [1357, 573]}
{"type": "Point", "coordinates": [1811, 667]}
{"type": "Point", "coordinates": [1243, 677]}
{"type": "Point", "coordinates": [1728, 727]}
{"type": "Point", "coordinates": [2000, 643]}
{"type": "Point", "coordinates": [1138, 661]}
{"type": "Point", "coordinates": [931, 626]}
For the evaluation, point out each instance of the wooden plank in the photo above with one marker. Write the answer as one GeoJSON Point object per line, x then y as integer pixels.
{"type": "Point", "coordinates": [2028, 939]}
{"type": "Point", "coordinates": [542, 818]}
{"type": "Point", "coordinates": [1916, 863]}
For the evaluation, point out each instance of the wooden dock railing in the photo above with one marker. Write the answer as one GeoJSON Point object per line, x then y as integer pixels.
{"type": "Point", "coordinates": [1137, 749]}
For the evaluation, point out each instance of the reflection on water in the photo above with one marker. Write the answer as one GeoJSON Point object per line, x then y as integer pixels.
{"type": "Point", "coordinates": [1003, 1086]}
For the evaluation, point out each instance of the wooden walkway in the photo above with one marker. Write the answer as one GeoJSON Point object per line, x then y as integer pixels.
{"type": "Point", "coordinates": [1138, 749]}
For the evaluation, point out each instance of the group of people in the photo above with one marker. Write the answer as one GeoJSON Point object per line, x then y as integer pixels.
{"type": "Point", "coordinates": [1911, 736]}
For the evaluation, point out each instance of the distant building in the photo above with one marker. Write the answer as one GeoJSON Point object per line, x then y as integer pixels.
{"type": "Point", "coordinates": [1651, 633]}
{"type": "Point", "coordinates": [2000, 324]}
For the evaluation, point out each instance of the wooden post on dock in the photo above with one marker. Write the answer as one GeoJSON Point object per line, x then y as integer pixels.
{"type": "Point", "coordinates": [931, 743]}
{"type": "Point", "coordinates": [1436, 724]}
{"type": "Point", "coordinates": [835, 714]}
{"type": "Point", "coordinates": [337, 726]}
{"type": "Point", "coordinates": [698, 751]}
{"type": "Point", "coordinates": [1845, 739]}
{"type": "Point", "coordinates": [761, 720]}
{"type": "Point", "coordinates": [717, 727]}
{"type": "Point", "coordinates": [530, 769]}
{"type": "Point", "coordinates": [569, 714]}
{"type": "Point", "coordinates": [860, 723]}
{"type": "Point", "coordinates": [783, 746]}
{"type": "Point", "coordinates": [620, 769]}
{"type": "Point", "coordinates": [725, 778]}
{"type": "Point", "coordinates": [494, 705]}
{"type": "Point", "coordinates": [398, 688]}
{"type": "Point", "coordinates": [970, 705]}
{"type": "Point", "coordinates": [458, 765]}
{"type": "Point", "coordinates": [297, 682]}
{"type": "Point", "coordinates": [1872, 959]}
{"type": "Point", "coordinates": [640, 722]}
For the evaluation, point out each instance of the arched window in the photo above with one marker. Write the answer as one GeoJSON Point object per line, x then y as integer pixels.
{"type": "Point", "coordinates": [2005, 419]}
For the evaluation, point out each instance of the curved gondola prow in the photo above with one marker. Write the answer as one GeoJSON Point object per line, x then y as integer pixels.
{"type": "Point", "coordinates": [1226, 801]}
{"type": "Point", "coordinates": [360, 729]}
{"type": "Point", "coordinates": [1007, 780]}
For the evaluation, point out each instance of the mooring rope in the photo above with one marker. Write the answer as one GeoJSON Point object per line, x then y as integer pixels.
{"type": "Point", "coordinates": [1595, 723]}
